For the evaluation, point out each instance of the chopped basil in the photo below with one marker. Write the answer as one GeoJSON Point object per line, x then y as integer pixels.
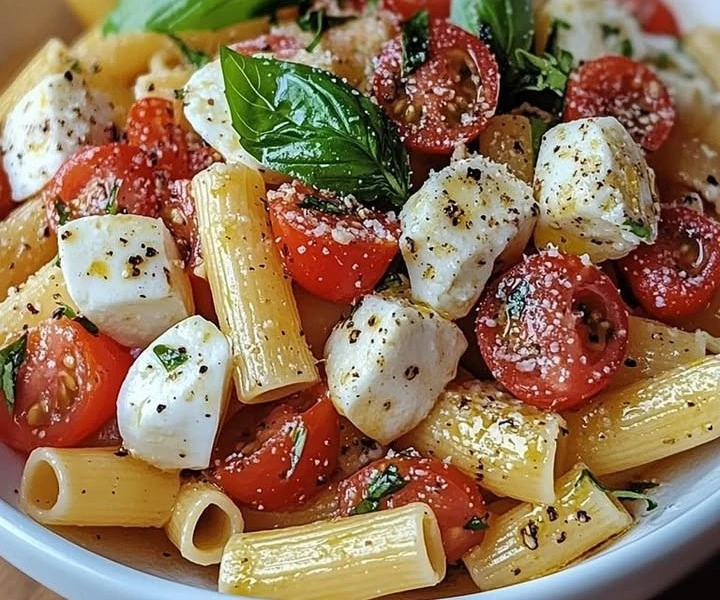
{"type": "Point", "coordinates": [619, 494]}
{"type": "Point", "coordinates": [11, 357]}
{"type": "Point", "coordinates": [641, 486]}
{"type": "Point", "coordinates": [171, 358]}
{"type": "Point", "coordinates": [383, 484]}
{"type": "Point", "coordinates": [516, 301]}
{"type": "Point", "coordinates": [323, 205]}
{"type": "Point", "coordinates": [299, 437]}
{"type": "Point", "coordinates": [196, 58]}
{"type": "Point", "coordinates": [638, 228]}
{"type": "Point", "coordinates": [609, 30]}
{"type": "Point", "coordinates": [292, 118]}
{"type": "Point", "coordinates": [415, 43]}
{"type": "Point", "coordinates": [476, 524]}
{"type": "Point", "coordinates": [112, 205]}
{"type": "Point", "coordinates": [318, 22]}
{"type": "Point", "coordinates": [62, 210]}
{"type": "Point", "coordinates": [539, 127]}
{"type": "Point", "coordinates": [64, 310]}
{"type": "Point", "coordinates": [626, 48]}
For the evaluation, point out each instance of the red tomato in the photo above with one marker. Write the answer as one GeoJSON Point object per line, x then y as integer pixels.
{"type": "Point", "coordinates": [338, 257]}
{"type": "Point", "coordinates": [654, 16]}
{"type": "Point", "coordinates": [201, 156]}
{"type": "Point", "coordinates": [553, 330]}
{"type": "Point", "coordinates": [679, 275]}
{"type": "Point", "coordinates": [86, 183]}
{"type": "Point", "coordinates": [281, 46]}
{"type": "Point", "coordinates": [6, 201]}
{"type": "Point", "coordinates": [293, 454]}
{"type": "Point", "coordinates": [616, 86]}
{"type": "Point", "coordinates": [439, 9]}
{"type": "Point", "coordinates": [202, 295]}
{"type": "Point", "coordinates": [108, 436]}
{"type": "Point", "coordinates": [449, 99]}
{"type": "Point", "coordinates": [66, 388]}
{"type": "Point", "coordinates": [179, 216]}
{"type": "Point", "coordinates": [454, 497]}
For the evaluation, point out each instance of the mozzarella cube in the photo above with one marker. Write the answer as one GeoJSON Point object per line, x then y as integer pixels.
{"type": "Point", "coordinates": [125, 274]}
{"type": "Point", "coordinates": [47, 126]}
{"type": "Point", "coordinates": [596, 192]}
{"type": "Point", "coordinates": [173, 399]}
{"type": "Point", "coordinates": [388, 363]}
{"type": "Point", "coordinates": [457, 226]}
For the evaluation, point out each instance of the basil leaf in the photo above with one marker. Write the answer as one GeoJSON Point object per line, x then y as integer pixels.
{"type": "Point", "coordinates": [112, 205]}
{"type": "Point", "coordinates": [171, 16]}
{"type": "Point", "coordinates": [299, 437]}
{"type": "Point", "coordinates": [318, 22]}
{"type": "Point", "coordinates": [383, 484]}
{"type": "Point", "coordinates": [638, 228]}
{"type": "Point", "coordinates": [312, 126]}
{"type": "Point", "coordinates": [517, 300]}
{"type": "Point", "coordinates": [538, 127]}
{"type": "Point", "coordinates": [415, 42]}
{"type": "Point", "coordinates": [65, 311]}
{"type": "Point", "coordinates": [171, 358]}
{"type": "Point", "coordinates": [62, 210]}
{"type": "Point", "coordinates": [196, 58]}
{"type": "Point", "coordinates": [546, 72]}
{"type": "Point", "coordinates": [326, 206]}
{"type": "Point", "coordinates": [11, 358]}
{"type": "Point", "coordinates": [476, 524]}
{"type": "Point", "coordinates": [619, 494]}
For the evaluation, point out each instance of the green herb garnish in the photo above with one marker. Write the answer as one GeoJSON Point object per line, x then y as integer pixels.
{"type": "Point", "coordinates": [171, 358]}
{"type": "Point", "coordinates": [196, 58]}
{"type": "Point", "coordinates": [476, 524]}
{"type": "Point", "coordinates": [299, 437]}
{"type": "Point", "coordinates": [323, 205]}
{"type": "Point", "coordinates": [11, 357]}
{"type": "Point", "coordinates": [62, 210]}
{"type": "Point", "coordinates": [64, 310]}
{"type": "Point", "coordinates": [638, 228]}
{"type": "Point", "coordinates": [517, 300]}
{"type": "Point", "coordinates": [626, 48]}
{"type": "Point", "coordinates": [539, 127]}
{"type": "Point", "coordinates": [383, 484]}
{"type": "Point", "coordinates": [112, 205]}
{"type": "Point", "coordinates": [415, 43]}
{"type": "Point", "coordinates": [318, 22]}
{"type": "Point", "coordinates": [619, 494]}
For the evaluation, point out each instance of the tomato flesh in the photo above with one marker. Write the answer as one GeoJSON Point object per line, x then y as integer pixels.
{"type": "Point", "coordinates": [679, 275]}
{"type": "Point", "coordinates": [179, 216]}
{"type": "Point", "coordinates": [448, 100]}
{"type": "Point", "coordinates": [616, 86]}
{"type": "Point", "coordinates": [553, 330]}
{"type": "Point", "coordinates": [6, 201]}
{"type": "Point", "coordinates": [439, 9]}
{"type": "Point", "coordinates": [453, 497]}
{"type": "Point", "coordinates": [280, 46]}
{"type": "Point", "coordinates": [338, 257]}
{"type": "Point", "coordinates": [654, 15]}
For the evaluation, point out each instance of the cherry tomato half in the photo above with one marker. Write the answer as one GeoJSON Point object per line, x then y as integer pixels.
{"type": "Point", "coordinates": [6, 201]}
{"type": "Point", "coordinates": [95, 178]}
{"type": "Point", "coordinates": [281, 46]}
{"type": "Point", "coordinates": [331, 251]}
{"type": "Point", "coordinates": [179, 216]}
{"type": "Point", "coordinates": [66, 387]}
{"type": "Point", "coordinates": [448, 100]}
{"type": "Point", "coordinates": [654, 16]}
{"type": "Point", "coordinates": [293, 454]}
{"type": "Point", "coordinates": [439, 9]}
{"type": "Point", "coordinates": [679, 275]}
{"type": "Point", "coordinates": [616, 86]}
{"type": "Point", "coordinates": [453, 497]}
{"type": "Point", "coordinates": [553, 330]}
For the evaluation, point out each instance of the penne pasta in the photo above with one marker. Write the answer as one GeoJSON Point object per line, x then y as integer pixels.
{"type": "Point", "coordinates": [253, 296]}
{"type": "Point", "coordinates": [703, 44]}
{"type": "Point", "coordinates": [356, 558]}
{"type": "Point", "coordinates": [96, 487]}
{"type": "Point", "coordinates": [648, 420]}
{"type": "Point", "coordinates": [509, 447]}
{"type": "Point", "coordinates": [530, 541]}
{"type": "Point", "coordinates": [508, 140]}
{"type": "Point", "coordinates": [202, 521]}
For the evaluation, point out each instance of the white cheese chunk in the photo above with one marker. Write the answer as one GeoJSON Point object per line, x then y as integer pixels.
{"type": "Point", "coordinates": [125, 274]}
{"type": "Point", "coordinates": [596, 192]}
{"type": "Point", "coordinates": [174, 397]}
{"type": "Point", "coordinates": [388, 363]}
{"type": "Point", "coordinates": [47, 126]}
{"type": "Point", "coordinates": [456, 227]}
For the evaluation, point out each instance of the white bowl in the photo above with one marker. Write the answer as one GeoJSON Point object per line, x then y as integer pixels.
{"type": "Point", "coordinates": [120, 565]}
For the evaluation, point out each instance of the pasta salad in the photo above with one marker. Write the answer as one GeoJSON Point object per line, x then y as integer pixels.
{"type": "Point", "coordinates": [356, 297]}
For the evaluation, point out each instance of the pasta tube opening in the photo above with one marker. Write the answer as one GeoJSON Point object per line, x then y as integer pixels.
{"type": "Point", "coordinates": [43, 486]}
{"type": "Point", "coordinates": [212, 529]}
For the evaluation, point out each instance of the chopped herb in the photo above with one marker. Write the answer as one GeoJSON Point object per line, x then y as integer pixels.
{"type": "Point", "coordinates": [299, 437]}
{"type": "Point", "coordinates": [179, 94]}
{"type": "Point", "coordinates": [517, 300]}
{"type": "Point", "coordinates": [323, 205]}
{"type": "Point", "coordinates": [619, 494]}
{"type": "Point", "coordinates": [383, 484]}
{"type": "Point", "coordinates": [62, 210]}
{"type": "Point", "coordinates": [64, 310]}
{"type": "Point", "coordinates": [539, 127]}
{"type": "Point", "coordinates": [476, 523]}
{"type": "Point", "coordinates": [638, 228]}
{"type": "Point", "coordinates": [171, 358]}
{"type": "Point", "coordinates": [415, 43]}
{"type": "Point", "coordinates": [318, 22]}
{"type": "Point", "coordinates": [609, 30]}
{"type": "Point", "coordinates": [626, 48]}
{"type": "Point", "coordinates": [641, 486]}
{"type": "Point", "coordinates": [11, 357]}
{"type": "Point", "coordinates": [196, 58]}
{"type": "Point", "coordinates": [112, 205]}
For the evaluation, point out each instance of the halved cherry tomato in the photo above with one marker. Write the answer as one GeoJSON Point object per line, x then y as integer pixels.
{"type": "Point", "coordinates": [439, 9]}
{"type": "Point", "coordinates": [66, 388]}
{"type": "Point", "coordinates": [654, 16]}
{"type": "Point", "coordinates": [281, 46]}
{"type": "Point", "coordinates": [453, 497]}
{"type": "Point", "coordinates": [616, 86]}
{"type": "Point", "coordinates": [6, 201]}
{"type": "Point", "coordinates": [553, 330]}
{"type": "Point", "coordinates": [95, 178]}
{"type": "Point", "coordinates": [178, 214]}
{"type": "Point", "coordinates": [338, 255]}
{"type": "Point", "coordinates": [293, 454]}
{"type": "Point", "coordinates": [680, 274]}
{"type": "Point", "coordinates": [448, 100]}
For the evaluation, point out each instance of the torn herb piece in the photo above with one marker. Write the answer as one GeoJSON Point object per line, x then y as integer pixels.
{"type": "Point", "coordinates": [638, 228]}
{"type": "Point", "coordinates": [323, 205]}
{"type": "Point", "coordinates": [318, 22]}
{"type": "Point", "coordinates": [64, 310]}
{"type": "Point", "coordinates": [112, 205]}
{"type": "Point", "coordinates": [196, 58]}
{"type": "Point", "coordinates": [619, 494]}
{"type": "Point", "coordinates": [476, 523]}
{"type": "Point", "coordinates": [171, 358]}
{"type": "Point", "coordinates": [415, 43]}
{"type": "Point", "coordinates": [62, 210]}
{"type": "Point", "coordinates": [383, 484]}
{"type": "Point", "coordinates": [299, 437]}
{"type": "Point", "coordinates": [11, 357]}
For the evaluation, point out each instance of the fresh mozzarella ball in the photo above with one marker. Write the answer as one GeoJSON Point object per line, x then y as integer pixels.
{"type": "Point", "coordinates": [596, 192]}
{"type": "Point", "coordinates": [456, 227]}
{"type": "Point", "coordinates": [388, 363]}
{"type": "Point", "coordinates": [52, 121]}
{"type": "Point", "coordinates": [174, 396]}
{"type": "Point", "coordinates": [124, 272]}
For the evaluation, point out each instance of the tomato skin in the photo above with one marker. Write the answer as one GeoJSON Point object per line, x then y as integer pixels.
{"type": "Point", "coordinates": [454, 497]}
{"type": "Point", "coordinates": [626, 89]}
{"type": "Point", "coordinates": [6, 201]}
{"type": "Point", "coordinates": [654, 16]}
{"type": "Point", "coordinates": [66, 388]}
{"type": "Point", "coordinates": [266, 478]}
{"type": "Point", "coordinates": [440, 105]}
{"type": "Point", "coordinates": [85, 183]}
{"type": "Point", "coordinates": [438, 9]}
{"type": "Point", "coordinates": [179, 215]}
{"type": "Point", "coordinates": [320, 262]}
{"type": "Point", "coordinates": [280, 46]}
{"type": "Point", "coordinates": [679, 275]}
{"type": "Point", "coordinates": [553, 330]}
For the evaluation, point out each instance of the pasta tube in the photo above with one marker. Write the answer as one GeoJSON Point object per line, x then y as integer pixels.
{"type": "Point", "coordinates": [648, 420]}
{"type": "Point", "coordinates": [91, 11]}
{"type": "Point", "coordinates": [508, 139]}
{"type": "Point", "coordinates": [96, 487]}
{"type": "Point", "coordinates": [355, 558]}
{"type": "Point", "coordinates": [202, 521]}
{"type": "Point", "coordinates": [253, 296]}
{"type": "Point", "coordinates": [530, 541]}
{"type": "Point", "coordinates": [703, 44]}
{"type": "Point", "coordinates": [507, 446]}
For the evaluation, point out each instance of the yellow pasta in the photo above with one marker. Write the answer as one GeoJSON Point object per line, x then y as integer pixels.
{"type": "Point", "coordinates": [202, 521]}
{"type": "Point", "coordinates": [355, 558]}
{"type": "Point", "coordinates": [507, 446]}
{"type": "Point", "coordinates": [253, 297]}
{"type": "Point", "coordinates": [648, 420]}
{"type": "Point", "coordinates": [530, 541]}
{"type": "Point", "coordinates": [508, 140]}
{"type": "Point", "coordinates": [703, 44]}
{"type": "Point", "coordinates": [91, 11]}
{"type": "Point", "coordinates": [96, 487]}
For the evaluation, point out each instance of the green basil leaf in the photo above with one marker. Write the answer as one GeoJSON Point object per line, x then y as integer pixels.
{"type": "Point", "coordinates": [171, 358]}
{"type": "Point", "coordinates": [476, 523]}
{"type": "Point", "coordinates": [171, 16]}
{"type": "Point", "coordinates": [312, 126]}
{"type": "Point", "coordinates": [415, 42]}
{"type": "Point", "coordinates": [538, 127]}
{"type": "Point", "coordinates": [619, 494]}
{"type": "Point", "coordinates": [638, 228]}
{"type": "Point", "coordinates": [318, 22]}
{"type": "Point", "coordinates": [112, 205]}
{"type": "Point", "coordinates": [62, 210]}
{"type": "Point", "coordinates": [383, 484]}
{"type": "Point", "coordinates": [517, 300]}
{"type": "Point", "coordinates": [544, 73]}
{"type": "Point", "coordinates": [63, 310]}
{"type": "Point", "coordinates": [299, 437]}
{"type": "Point", "coordinates": [323, 205]}
{"type": "Point", "coordinates": [11, 357]}
{"type": "Point", "coordinates": [196, 58]}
